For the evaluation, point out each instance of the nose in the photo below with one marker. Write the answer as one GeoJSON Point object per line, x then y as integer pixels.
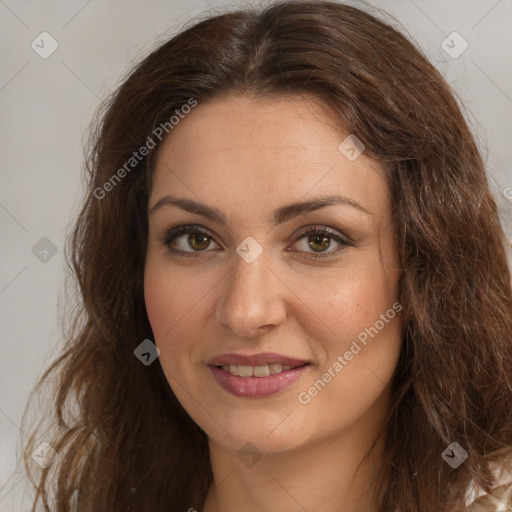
{"type": "Point", "coordinates": [252, 299]}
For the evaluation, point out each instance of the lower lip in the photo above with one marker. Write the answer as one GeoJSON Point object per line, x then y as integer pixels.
{"type": "Point", "coordinates": [257, 386]}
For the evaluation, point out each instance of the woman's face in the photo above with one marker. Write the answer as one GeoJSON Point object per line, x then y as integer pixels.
{"type": "Point", "coordinates": [267, 334]}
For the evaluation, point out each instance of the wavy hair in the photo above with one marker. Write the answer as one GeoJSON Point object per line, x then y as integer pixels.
{"type": "Point", "coordinates": [122, 437]}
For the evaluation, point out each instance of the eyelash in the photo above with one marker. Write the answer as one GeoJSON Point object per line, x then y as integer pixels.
{"type": "Point", "coordinates": [195, 229]}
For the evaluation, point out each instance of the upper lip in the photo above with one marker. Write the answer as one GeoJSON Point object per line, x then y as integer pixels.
{"type": "Point", "coordinates": [255, 360]}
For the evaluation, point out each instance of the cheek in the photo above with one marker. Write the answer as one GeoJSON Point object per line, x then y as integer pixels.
{"type": "Point", "coordinates": [345, 302]}
{"type": "Point", "coordinates": [164, 304]}
{"type": "Point", "coordinates": [164, 299]}
{"type": "Point", "coordinates": [177, 305]}
{"type": "Point", "coordinates": [158, 300]}
{"type": "Point", "coordinates": [167, 295]}
{"type": "Point", "coordinates": [358, 347]}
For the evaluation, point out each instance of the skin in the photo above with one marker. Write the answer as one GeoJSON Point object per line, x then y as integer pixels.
{"type": "Point", "coordinates": [247, 157]}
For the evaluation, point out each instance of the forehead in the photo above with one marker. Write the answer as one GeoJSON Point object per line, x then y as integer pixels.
{"type": "Point", "coordinates": [261, 153]}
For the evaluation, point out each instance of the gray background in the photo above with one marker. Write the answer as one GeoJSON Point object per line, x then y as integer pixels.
{"type": "Point", "coordinates": [47, 104]}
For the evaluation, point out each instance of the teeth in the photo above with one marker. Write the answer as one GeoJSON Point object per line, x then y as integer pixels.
{"type": "Point", "coordinates": [255, 371]}
{"type": "Point", "coordinates": [243, 371]}
{"type": "Point", "coordinates": [275, 368]}
{"type": "Point", "coordinates": [261, 371]}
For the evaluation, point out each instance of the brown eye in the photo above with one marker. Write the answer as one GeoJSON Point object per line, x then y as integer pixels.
{"type": "Point", "coordinates": [198, 241]}
{"type": "Point", "coordinates": [188, 240]}
{"type": "Point", "coordinates": [319, 243]}
{"type": "Point", "coordinates": [319, 240]}
{"type": "Point", "coordinates": [192, 240]}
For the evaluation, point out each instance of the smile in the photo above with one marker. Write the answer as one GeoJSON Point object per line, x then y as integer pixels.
{"type": "Point", "coordinates": [257, 381]}
{"type": "Point", "coordinates": [256, 371]}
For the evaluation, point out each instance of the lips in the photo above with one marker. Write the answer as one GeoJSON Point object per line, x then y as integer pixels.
{"type": "Point", "coordinates": [254, 387]}
{"type": "Point", "coordinates": [257, 375]}
{"type": "Point", "coordinates": [262, 359]}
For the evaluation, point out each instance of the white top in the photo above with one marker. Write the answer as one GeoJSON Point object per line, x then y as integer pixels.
{"type": "Point", "coordinates": [475, 491]}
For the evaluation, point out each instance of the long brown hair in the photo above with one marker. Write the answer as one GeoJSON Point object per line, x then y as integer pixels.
{"type": "Point", "coordinates": [122, 437]}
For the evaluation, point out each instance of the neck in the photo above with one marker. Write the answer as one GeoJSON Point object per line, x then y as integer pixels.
{"type": "Point", "coordinates": [329, 475]}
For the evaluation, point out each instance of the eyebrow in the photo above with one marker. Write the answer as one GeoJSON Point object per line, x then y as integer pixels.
{"type": "Point", "coordinates": [279, 215]}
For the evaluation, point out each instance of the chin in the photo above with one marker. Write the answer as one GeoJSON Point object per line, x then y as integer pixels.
{"type": "Point", "coordinates": [267, 432]}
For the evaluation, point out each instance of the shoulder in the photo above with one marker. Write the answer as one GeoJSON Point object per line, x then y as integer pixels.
{"type": "Point", "coordinates": [498, 500]}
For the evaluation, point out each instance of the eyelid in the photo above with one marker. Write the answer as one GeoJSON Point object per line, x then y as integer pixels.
{"type": "Point", "coordinates": [340, 238]}
{"type": "Point", "coordinates": [174, 233]}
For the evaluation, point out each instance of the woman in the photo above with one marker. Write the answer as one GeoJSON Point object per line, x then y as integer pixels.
{"type": "Point", "coordinates": [294, 283]}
